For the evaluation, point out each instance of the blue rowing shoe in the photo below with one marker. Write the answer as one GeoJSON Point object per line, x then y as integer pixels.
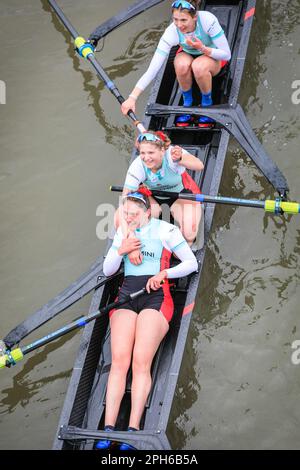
{"type": "Point", "coordinates": [105, 444]}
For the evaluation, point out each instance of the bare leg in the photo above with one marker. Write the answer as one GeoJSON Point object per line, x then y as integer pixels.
{"type": "Point", "coordinates": [150, 330]}
{"type": "Point", "coordinates": [183, 69]}
{"type": "Point", "coordinates": [155, 207]}
{"type": "Point", "coordinates": [188, 215]}
{"type": "Point", "coordinates": [204, 68]}
{"type": "Point", "coordinates": [123, 325]}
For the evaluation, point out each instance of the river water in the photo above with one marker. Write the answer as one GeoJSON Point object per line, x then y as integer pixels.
{"type": "Point", "coordinates": [63, 142]}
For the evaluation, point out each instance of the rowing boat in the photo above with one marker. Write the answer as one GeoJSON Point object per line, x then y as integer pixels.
{"type": "Point", "coordinates": [82, 416]}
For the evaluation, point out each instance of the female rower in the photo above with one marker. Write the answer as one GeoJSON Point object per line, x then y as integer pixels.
{"type": "Point", "coordinates": [203, 51]}
{"type": "Point", "coordinates": [163, 166]}
{"type": "Point", "coordinates": [138, 327]}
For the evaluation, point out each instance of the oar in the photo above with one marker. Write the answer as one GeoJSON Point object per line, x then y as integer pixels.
{"type": "Point", "coordinates": [120, 18]}
{"type": "Point", "coordinates": [86, 50]}
{"type": "Point", "coordinates": [277, 206]}
{"type": "Point", "coordinates": [91, 280]}
{"type": "Point", "coordinates": [9, 358]}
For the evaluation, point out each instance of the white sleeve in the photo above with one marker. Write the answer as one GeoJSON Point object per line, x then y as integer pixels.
{"type": "Point", "coordinates": [174, 241]}
{"type": "Point", "coordinates": [212, 27]}
{"type": "Point", "coordinates": [223, 51]}
{"type": "Point", "coordinates": [113, 260]}
{"type": "Point", "coordinates": [167, 41]}
{"type": "Point", "coordinates": [188, 262]}
{"type": "Point", "coordinates": [135, 175]}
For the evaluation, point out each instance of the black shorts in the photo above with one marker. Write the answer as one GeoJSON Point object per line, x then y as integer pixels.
{"type": "Point", "coordinates": [160, 299]}
{"type": "Point", "coordinates": [166, 200]}
{"type": "Point", "coordinates": [170, 200]}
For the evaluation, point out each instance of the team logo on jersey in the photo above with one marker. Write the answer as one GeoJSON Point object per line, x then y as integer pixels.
{"type": "Point", "coordinates": [150, 254]}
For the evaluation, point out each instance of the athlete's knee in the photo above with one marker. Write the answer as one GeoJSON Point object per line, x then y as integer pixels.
{"type": "Point", "coordinates": [120, 363]}
{"type": "Point", "coordinates": [193, 227]}
{"type": "Point", "coordinates": [189, 234]}
{"type": "Point", "coordinates": [182, 68]}
{"type": "Point", "coordinates": [189, 229]}
{"type": "Point", "coordinates": [155, 211]}
{"type": "Point", "coordinates": [200, 70]}
{"type": "Point", "coordinates": [141, 363]}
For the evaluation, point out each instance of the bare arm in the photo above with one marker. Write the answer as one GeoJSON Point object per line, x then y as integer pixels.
{"type": "Point", "coordinates": [186, 160]}
{"type": "Point", "coordinates": [115, 254]}
{"type": "Point", "coordinates": [167, 41]}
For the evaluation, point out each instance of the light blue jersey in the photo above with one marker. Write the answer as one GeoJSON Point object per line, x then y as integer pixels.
{"type": "Point", "coordinates": [158, 240]}
{"type": "Point", "coordinates": [199, 33]}
{"type": "Point", "coordinates": [167, 178]}
{"type": "Point", "coordinates": [208, 30]}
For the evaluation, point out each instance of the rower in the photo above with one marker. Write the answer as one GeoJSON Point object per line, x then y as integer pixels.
{"type": "Point", "coordinates": [203, 52]}
{"type": "Point", "coordinates": [138, 327]}
{"type": "Point", "coordinates": [163, 166]}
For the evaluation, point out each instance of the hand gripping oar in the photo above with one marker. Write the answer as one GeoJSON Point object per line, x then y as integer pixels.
{"type": "Point", "coordinates": [9, 358]}
{"type": "Point", "coordinates": [86, 50]}
{"type": "Point", "coordinates": [277, 206]}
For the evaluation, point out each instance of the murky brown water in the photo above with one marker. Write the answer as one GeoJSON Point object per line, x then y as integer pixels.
{"type": "Point", "coordinates": [63, 142]}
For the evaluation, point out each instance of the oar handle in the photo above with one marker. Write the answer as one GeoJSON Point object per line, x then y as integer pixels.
{"type": "Point", "coordinates": [276, 207]}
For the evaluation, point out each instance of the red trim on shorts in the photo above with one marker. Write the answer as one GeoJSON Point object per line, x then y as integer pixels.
{"type": "Point", "coordinates": [179, 50]}
{"type": "Point", "coordinates": [188, 309]}
{"type": "Point", "coordinates": [167, 307]}
{"type": "Point", "coordinates": [249, 14]}
{"type": "Point", "coordinates": [113, 309]}
{"type": "Point", "coordinates": [223, 63]}
{"type": "Point", "coordinates": [189, 183]}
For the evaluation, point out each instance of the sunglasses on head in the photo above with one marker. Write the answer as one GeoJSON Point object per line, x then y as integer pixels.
{"type": "Point", "coordinates": [148, 137]}
{"type": "Point", "coordinates": [139, 197]}
{"type": "Point", "coordinates": [183, 5]}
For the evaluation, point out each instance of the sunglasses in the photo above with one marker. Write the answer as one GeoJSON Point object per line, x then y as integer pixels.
{"type": "Point", "coordinates": [148, 137]}
{"type": "Point", "coordinates": [139, 197]}
{"type": "Point", "coordinates": [183, 5]}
